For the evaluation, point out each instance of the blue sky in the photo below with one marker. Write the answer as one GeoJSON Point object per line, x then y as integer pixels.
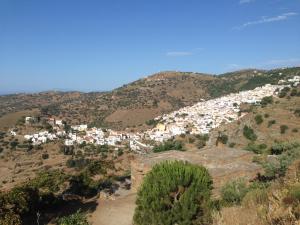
{"type": "Point", "coordinates": [99, 45]}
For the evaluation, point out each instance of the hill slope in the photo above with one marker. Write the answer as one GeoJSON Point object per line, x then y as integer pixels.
{"type": "Point", "coordinates": [133, 104]}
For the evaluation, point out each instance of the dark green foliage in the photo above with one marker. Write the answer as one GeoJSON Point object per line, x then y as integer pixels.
{"type": "Point", "coordinates": [283, 92]}
{"type": "Point", "coordinates": [83, 185]}
{"type": "Point", "coordinates": [295, 130]}
{"type": "Point", "coordinates": [248, 133]}
{"type": "Point", "coordinates": [169, 145]}
{"type": "Point", "coordinates": [174, 193]}
{"type": "Point", "coordinates": [77, 163]}
{"type": "Point", "coordinates": [266, 115]}
{"type": "Point", "coordinates": [266, 100]}
{"type": "Point", "coordinates": [294, 193]}
{"type": "Point", "coordinates": [293, 92]}
{"type": "Point", "coordinates": [51, 180]}
{"type": "Point", "coordinates": [232, 144]}
{"type": "Point", "coordinates": [77, 218]}
{"type": "Point", "coordinates": [257, 149]}
{"type": "Point", "coordinates": [152, 122]}
{"type": "Point", "coordinates": [14, 144]}
{"type": "Point", "coordinates": [259, 119]}
{"type": "Point", "coordinates": [31, 196]}
{"type": "Point", "coordinates": [289, 153]}
{"type": "Point", "coordinates": [271, 122]}
{"type": "Point", "coordinates": [223, 138]}
{"type": "Point", "coordinates": [67, 150]}
{"type": "Point", "coordinates": [201, 140]}
{"type": "Point", "coordinates": [283, 129]}
{"type": "Point", "coordinates": [120, 152]}
{"type": "Point", "coordinates": [45, 156]}
{"type": "Point", "coordinates": [233, 192]}
{"type": "Point", "coordinates": [102, 148]}
{"type": "Point", "coordinates": [297, 112]}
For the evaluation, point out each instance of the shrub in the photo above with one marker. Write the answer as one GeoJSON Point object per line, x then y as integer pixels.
{"type": "Point", "coordinates": [174, 193]}
{"type": "Point", "coordinates": [169, 145]}
{"type": "Point", "coordinates": [266, 100]}
{"type": "Point", "coordinates": [271, 122]}
{"type": "Point", "coordinates": [283, 128]}
{"type": "Point", "coordinates": [295, 130]}
{"type": "Point", "coordinates": [77, 163]}
{"type": "Point", "coordinates": [257, 149]}
{"type": "Point", "coordinates": [283, 92]}
{"type": "Point", "coordinates": [152, 122]}
{"type": "Point", "coordinates": [294, 192]}
{"type": "Point", "coordinates": [120, 152]}
{"type": "Point", "coordinates": [232, 144]}
{"type": "Point", "coordinates": [77, 218]}
{"type": "Point", "coordinates": [223, 138]}
{"type": "Point", "coordinates": [266, 115]}
{"type": "Point", "coordinates": [297, 112]}
{"type": "Point", "coordinates": [259, 119]}
{"type": "Point", "coordinates": [255, 197]}
{"type": "Point", "coordinates": [249, 133]}
{"type": "Point", "coordinates": [233, 192]}
{"type": "Point", "coordinates": [293, 92]}
{"type": "Point", "coordinates": [289, 153]}
{"type": "Point", "coordinates": [45, 156]}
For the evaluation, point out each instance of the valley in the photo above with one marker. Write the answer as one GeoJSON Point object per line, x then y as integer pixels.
{"type": "Point", "coordinates": [91, 151]}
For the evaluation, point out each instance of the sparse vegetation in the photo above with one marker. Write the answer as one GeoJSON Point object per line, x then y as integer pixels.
{"type": "Point", "coordinates": [169, 145]}
{"type": "Point", "coordinates": [259, 119]}
{"type": "Point", "coordinates": [266, 100]}
{"type": "Point", "coordinates": [77, 218]}
{"type": "Point", "coordinates": [233, 192]}
{"type": "Point", "coordinates": [283, 129]}
{"type": "Point", "coordinates": [223, 138]}
{"type": "Point", "coordinates": [248, 133]}
{"type": "Point", "coordinates": [271, 122]}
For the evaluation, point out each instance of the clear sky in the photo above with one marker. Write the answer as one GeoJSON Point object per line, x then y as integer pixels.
{"type": "Point", "coordinates": [91, 45]}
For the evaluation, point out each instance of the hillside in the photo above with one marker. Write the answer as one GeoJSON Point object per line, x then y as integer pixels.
{"type": "Point", "coordinates": [133, 104]}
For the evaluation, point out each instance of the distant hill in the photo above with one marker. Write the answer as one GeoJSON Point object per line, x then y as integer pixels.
{"type": "Point", "coordinates": [133, 104]}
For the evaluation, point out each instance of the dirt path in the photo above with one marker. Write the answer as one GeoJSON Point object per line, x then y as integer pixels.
{"type": "Point", "coordinates": [114, 212]}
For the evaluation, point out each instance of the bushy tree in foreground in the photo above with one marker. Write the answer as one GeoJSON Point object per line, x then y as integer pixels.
{"type": "Point", "coordinates": [75, 219]}
{"type": "Point", "coordinates": [174, 193]}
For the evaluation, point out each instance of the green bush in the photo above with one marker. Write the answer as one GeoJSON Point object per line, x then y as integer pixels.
{"type": "Point", "coordinates": [297, 112]}
{"type": "Point", "coordinates": [174, 193]}
{"type": "Point", "coordinates": [294, 92]}
{"type": "Point", "coordinates": [283, 92]}
{"type": "Point", "coordinates": [233, 192]}
{"type": "Point", "coordinates": [249, 133]}
{"type": "Point", "coordinates": [232, 144]}
{"type": "Point", "coordinates": [257, 149]}
{"type": "Point", "coordinates": [266, 100]}
{"type": "Point", "coordinates": [45, 156]}
{"type": "Point", "coordinates": [271, 122]}
{"type": "Point", "coordinates": [266, 115]}
{"type": "Point", "coordinates": [77, 218]}
{"type": "Point", "coordinates": [223, 138]}
{"type": "Point", "coordinates": [259, 119]}
{"type": "Point", "coordinates": [289, 153]}
{"type": "Point", "coordinates": [294, 192]}
{"type": "Point", "coordinates": [169, 145]}
{"type": "Point", "coordinates": [283, 129]}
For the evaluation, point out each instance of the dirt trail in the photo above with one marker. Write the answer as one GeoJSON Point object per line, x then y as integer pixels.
{"type": "Point", "coordinates": [114, 212]}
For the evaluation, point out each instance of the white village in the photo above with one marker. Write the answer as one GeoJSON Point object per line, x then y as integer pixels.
{"type": "Point", "coordinates": [200, 118]}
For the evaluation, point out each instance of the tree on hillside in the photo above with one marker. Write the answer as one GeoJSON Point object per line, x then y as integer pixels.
{"type": "Point", "coordinates": [174, 193]}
